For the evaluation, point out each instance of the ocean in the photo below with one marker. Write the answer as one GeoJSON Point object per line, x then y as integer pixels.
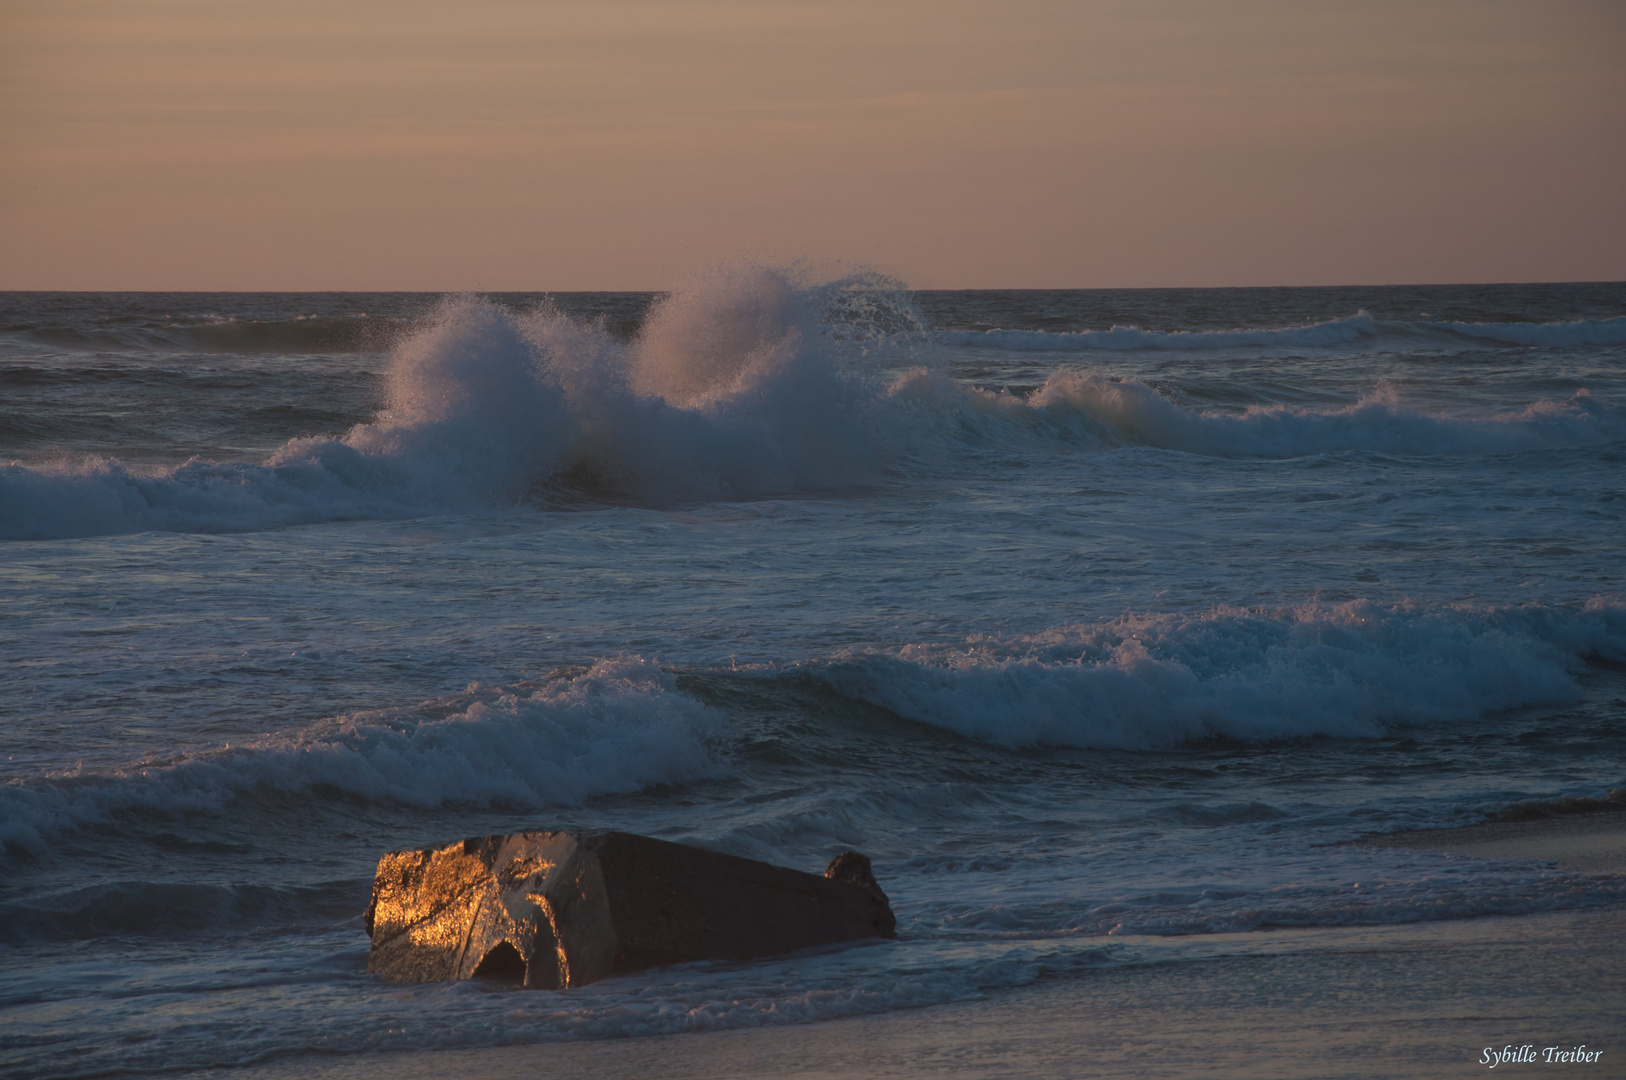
{"type": "Point", "coordinates": [1103, 621]}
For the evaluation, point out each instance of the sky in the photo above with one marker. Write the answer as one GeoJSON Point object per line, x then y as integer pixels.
{"type": "Point", "coordinates": [538, 145]}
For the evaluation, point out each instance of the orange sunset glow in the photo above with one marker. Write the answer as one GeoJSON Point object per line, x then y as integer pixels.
{"type": "Point", "coordinates": [497, 144]}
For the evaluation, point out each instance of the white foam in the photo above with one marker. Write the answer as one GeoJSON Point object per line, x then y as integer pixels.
{"type": "Point", "coordinates": [1091, 408]}
{"type": "Point", "coordinates": [733, 390]}
{"type": "Point", "coordinates": [620, 726]}
{"type": "Point", "coordinates": [1155, 681]}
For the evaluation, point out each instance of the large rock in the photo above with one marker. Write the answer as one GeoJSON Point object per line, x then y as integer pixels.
{"type": "Point", "coordinates": [562, 909]}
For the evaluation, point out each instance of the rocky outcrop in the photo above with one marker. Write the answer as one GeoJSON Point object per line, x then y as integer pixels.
{"type": "Point", "coordinates": [559, 909]}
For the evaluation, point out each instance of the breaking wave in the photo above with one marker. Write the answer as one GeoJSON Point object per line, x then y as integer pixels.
{"type": "Point", "coordinates": [1139, 682]}
{"type": "Point", "coordinates": [735, 388]}
{"type": "Point", "coordinates": [1086, 409]}
{"type": "Point", "coordinates": [1143, 682]}
{"type": "Point", "coordinates": [746, 383]}
{"type": "Point", "coordinates": [1133, 412]}
{"type": "Point", "coordinates": [617, 727]}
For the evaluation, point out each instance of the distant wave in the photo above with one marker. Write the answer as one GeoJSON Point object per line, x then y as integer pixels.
{"type": "Point", "coordinates": [297, 335]}
{"type": "Point", "coordinates": [1085, 409]}
{"type": "Point", "coordinates": [1581, 332]}
{"type": "Point", "coordinates": [1357, 669]}
{"type": "Point", "coordinates": [620, 726]}
{"type": "Point", "coordinates": [1334, 332]}
{"type": "Point", "coordinates": [1379, 422]}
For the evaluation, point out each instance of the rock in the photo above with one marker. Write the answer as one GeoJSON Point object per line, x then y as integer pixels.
{"type": "Point", "coordinates": [562, 909]}
{"type": "Point", "coordinates": [855, 869]}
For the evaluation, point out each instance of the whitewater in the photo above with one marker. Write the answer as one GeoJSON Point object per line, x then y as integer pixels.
{"type": "Point", "coordinates": [1104, 621]}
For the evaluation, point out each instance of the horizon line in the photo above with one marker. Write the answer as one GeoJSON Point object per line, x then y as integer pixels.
{"type": "Point", "coordinates": [906, 287]}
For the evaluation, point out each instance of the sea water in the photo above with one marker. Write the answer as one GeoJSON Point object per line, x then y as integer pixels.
{"type": "Point", "coordinates": [1102, 620]}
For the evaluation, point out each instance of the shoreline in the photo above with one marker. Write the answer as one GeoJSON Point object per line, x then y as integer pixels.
{"type": "Point", "coordinates": [1416, 1001]}
{"type": "Point", "coordinates": [1591, 843]}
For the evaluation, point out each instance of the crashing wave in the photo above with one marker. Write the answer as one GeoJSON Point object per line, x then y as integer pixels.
{"type": "Point", "coordinates": [746, 383]}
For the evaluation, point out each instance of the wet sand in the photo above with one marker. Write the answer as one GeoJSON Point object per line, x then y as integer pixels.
{"type": "Point", "coordinates": [1582, 843]}
{"type": "Point", "coordinates": [1418, 1000]}
{"type": "Point", "coordinates": [1414, 1001]}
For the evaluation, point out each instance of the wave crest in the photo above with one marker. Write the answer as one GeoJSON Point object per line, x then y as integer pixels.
{"type": "Point", "coordinates": [620, 726]}
{"type": "Point", "coordinates": [1129, 411]}
{"type": "Point", "coordinates": [1158, 681]}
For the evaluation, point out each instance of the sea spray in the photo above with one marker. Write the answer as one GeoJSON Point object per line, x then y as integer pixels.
{"type": "Point", "coordinates": [733, 390]}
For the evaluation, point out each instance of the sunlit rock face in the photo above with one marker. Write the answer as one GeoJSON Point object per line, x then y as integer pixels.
{"type": "Point", "coordinates": [554, 910]}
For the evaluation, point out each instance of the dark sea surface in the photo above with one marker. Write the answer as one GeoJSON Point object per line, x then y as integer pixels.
{"type": "Point", "coordinates": [1101, 620]}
